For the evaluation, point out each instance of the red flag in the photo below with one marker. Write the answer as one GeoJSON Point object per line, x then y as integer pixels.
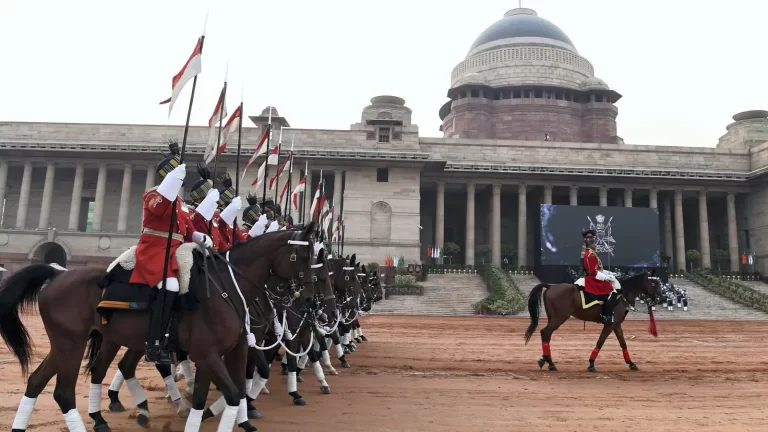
{"type": "Point", "coordinates": [192, 67]}
{"type": "Point", "coordinates": [271, 160]}
{"type": "Point", "coordinates": [230, 128]}
{"type": "Point", "coordinates": [219, 113]}
{"type": "Point", "coordinates": [279, 172]}
{"type": "Point", "coordinates": [283, 193]}
{"type": "Point", "coordinates": [260, 149]}
{"type": "Point", "coordinates": [315, 200]}
{"type": "Point", "coordinates": [295, 194]}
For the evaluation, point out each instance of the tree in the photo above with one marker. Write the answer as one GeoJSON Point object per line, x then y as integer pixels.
{"type": "Point", "coordinates": [694, 258]}
{"type": "Point", "coordinates": [719, 257]}
{"type": "Point", "coordinates": [451, 250]}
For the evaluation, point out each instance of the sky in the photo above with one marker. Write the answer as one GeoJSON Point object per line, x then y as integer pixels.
{"type": "Point", "coordinates": [684, 67]}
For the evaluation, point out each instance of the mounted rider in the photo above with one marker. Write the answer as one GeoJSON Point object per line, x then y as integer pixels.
{"type": "Point", "coordinates": [151, 250]}
{"type": "Point", "coordinates": [204, 198]}
{"type": "Point", "coordinates": [599, 281]}
{"type": "Point", "coordinates": [228, 207]}
{"type": "Point", "coordinates": [251, 215]}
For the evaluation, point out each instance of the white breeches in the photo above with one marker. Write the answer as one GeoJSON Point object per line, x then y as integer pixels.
{"type": "Point", "coordinates": [172, 284]}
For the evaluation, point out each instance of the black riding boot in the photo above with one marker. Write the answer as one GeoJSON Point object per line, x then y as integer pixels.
{"type": "Point", "coordinates": [157, 349]}
{"type": "Point", "coordinates": [608, 307]}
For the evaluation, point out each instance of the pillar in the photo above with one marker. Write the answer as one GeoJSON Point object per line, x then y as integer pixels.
{"type": "Point", "coordinates": [26, 183]}
{"type": "Point", "coordinates": [603, 196]}
{"type": "Point", "coordinates": [706, 260]}
{"type": "Point", "coordinates": [3, 187]}
{"type": "Point", "coordinates": [733, 240]}
{"type": "Point", "coordinates": [337, 180]}
{"type": "Point", "coordinates": [125, 198]}
{"type": "Point", "coordinates": [574, 195]}
{"type": "Point", "coordinates": [45, 206]}
{"type": "Point", "coordinates": [522, 225]}
{"type": "Point", "coordinates": [669, 249]}
{"type": "Point", "coordinates": [548, 194]}
{"type": "Point", "coordinates": [77, 198]}
{"type": "Point", "coordinates": [101, 189]}
{"type": "Point", "coordinates": [653, 199]}
{"type": "Point", "coordinates": [627, 197]}
{"type": "Point", "coordinates": [469, 248]}
{"type": "Point", "coordinates": [496, 225]}
{"type": "Point", "coordinates": [150, 181]}
{"type": "Point", "coordinates": [679, 232]}
{"type": "Point", "coordinates": [440, 216]}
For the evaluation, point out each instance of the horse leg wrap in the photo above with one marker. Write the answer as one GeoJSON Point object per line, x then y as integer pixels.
{"type": "Point", "coordinates": [339, 351]}
{"type": "Point", "coordinates": [327, 360]}
{"type": "Point", "coordinates": [595, 353]}
{"type": "Point", "coordinates": [248, 385]}
{"type": "Point", "coordinates": [218, 406]}
{"type": "Point", "coordinates": [292, 383]}
{"type": "Point", "coordinates": [255, 390]}
{"type": "Point", "coordinates": [94, 398]}
{"type": "Point", "coordinates": [74, 421]}
{"type": "Point", "coordinates": [227, 422]}
{"type": "Point", "coordinates": [303, 361]}
{"type": "Point", "coordinates": [193, 421]}
{"type": "Point", "coordinates": [24, 413]}
{"type": "Point", "coordinates": [627, 358]}
{"type": "Point", "coordinates": [242, 412]}
{"type": "Point", "coordinates": [136, 390]}
{"type": "Point", "coordinates": [285, 359]}
{"type": "Point", "coordinates": [545, 350]}
{"type": "Point", "coordinates": [173, 389]}
{"type": "Point", "coordinates": [186, 370]}
{"type": "Point", "coordinates": [117, 381]}
{"type": "Point", "coordinates": [319, 374]}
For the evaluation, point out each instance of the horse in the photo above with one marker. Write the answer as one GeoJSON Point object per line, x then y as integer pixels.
{"type": "Point", "coordinates": [562, 301]}
{"type": "Point", "coordinates": [68, 308]}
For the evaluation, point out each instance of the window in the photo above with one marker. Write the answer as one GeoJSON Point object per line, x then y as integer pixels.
{"type": "Point", "coordinates": [383, 135]}
{"type": "Point", "coordinates": [475, 93]}
{"type": "Point", "coordinates": [381, 222]}
{"type": "Point", "coordinates": [86, 215]}
{"type": "Point", "coordinates": [382, 175]}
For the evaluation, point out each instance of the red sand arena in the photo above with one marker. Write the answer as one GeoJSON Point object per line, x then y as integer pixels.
{"type": "Point", "coordinates": [475, 374]}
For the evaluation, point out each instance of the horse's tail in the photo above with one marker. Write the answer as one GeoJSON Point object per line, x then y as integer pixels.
{"type": "Point", "coordinates": [19, 294]}
{"type": "Point", "coordinates": [94, 346]}
{"type": "Point", "coordinates": [534, 303]}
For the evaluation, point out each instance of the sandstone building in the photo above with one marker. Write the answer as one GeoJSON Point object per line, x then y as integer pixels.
{"type": "Point", "coordinates": [525, 116]}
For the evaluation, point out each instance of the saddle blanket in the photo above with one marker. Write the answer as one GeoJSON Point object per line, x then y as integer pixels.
{"type": "Point", "coordinates": [587, 299]}
{"type": "Point", "coordinates": [184, 257]}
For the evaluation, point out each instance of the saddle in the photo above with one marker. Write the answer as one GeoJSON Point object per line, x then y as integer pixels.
{"type": "Point", "coordinates": [119, 294]}
{"type": "Point", "coordinates": [588, 299]}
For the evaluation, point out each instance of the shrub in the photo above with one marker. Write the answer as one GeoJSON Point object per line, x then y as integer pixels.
{"type": "Point", "coordinates": [372, 266]}
{"type": "Point", "coordinates": [731, 290]}
{"type": "Point", "coordinates": [405, 290]}
{"type": "Point", "coordinates": [405, 280]}
{"type": "Point", "coordinates": [694, 258]}
{"type": "Point", "coordinates": [720, 258]}
{"type": "Point", "coordinates": [504, 297]}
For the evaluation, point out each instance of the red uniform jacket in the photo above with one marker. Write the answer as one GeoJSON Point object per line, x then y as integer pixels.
{"type": "Point", "coordinates": [242, 233]}
{"type": "Point", "coordinates": [224, 231]}
{"type": "Point", "coordinates": [593, 265]}
{"type": "Point", "coordinates": [201, 225]}
{"type": "Point", "coordinates": [150, 252]}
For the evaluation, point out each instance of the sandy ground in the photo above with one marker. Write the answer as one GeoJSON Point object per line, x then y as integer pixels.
{"type": "Point", "coordinates": [475, 374]}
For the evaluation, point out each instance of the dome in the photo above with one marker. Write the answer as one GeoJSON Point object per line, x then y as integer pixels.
{"type": "Point", "coordinates": [523, 24]}
{"type": "Point", "coordinates": [266, 112]}
{"type": "Point", "coordinates": [594, 83]}
{"type": "Point", "coordinates": [472, 78]}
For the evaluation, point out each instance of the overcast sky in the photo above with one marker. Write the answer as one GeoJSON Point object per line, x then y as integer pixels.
{"type": "Point", "coordinates": [684, 67]}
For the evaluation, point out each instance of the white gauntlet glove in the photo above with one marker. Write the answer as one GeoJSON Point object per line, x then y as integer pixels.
{"type": "Point", "coordinates": [228, 214]}
{"type": "Point", "coordinates": [258, 228]}
{"type": "Point", "coordinates": [601, 276]}
{"type": "Point", "coordinates": [273, 227]}
{"type": "Point", "coordinates": [208, 206]}
{"type": "Point", "coordinates": [203, 240]}
{"type": "Point", "coordinates": [171, 184]}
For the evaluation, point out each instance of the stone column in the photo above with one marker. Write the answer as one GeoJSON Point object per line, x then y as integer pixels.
{"type": "Point", "coordinates": [522, 226]}
{"type": "Point", "coordinates": [679, 231]}
{"type": "Point", "coordinates": [574, 195]}
{"type": "Point", "coordinates": [470, 230]}
{"type": "Point", "coordinates": [496, 225]}
{"type": "Point", "coordinates": [627, 197]}
{"type": "Point", "coordinates": [653, 198]}
{"type": "Point", "coordinates": [150, 182]}
{"type": "Point", "coordinates": [3, 185]}
{"type": "Point", "coordinates": [706, 260]}
{"type": "Point", "coordinates": [548, 194]}
{"type": "Point", "coordinates": [26, 183]}
{"type": "Point", "coordinates": [440, 216]}
{"type": "Point", "coordinates": [669, 248]}
{"type": "Point", "coordinates": [101, 190]}
{"type": "Point", "coordinates": [45, 206]}
{"type": "Point", "coordinates": [77, 198]}
{"type": "Point", "coordinates": [603, 196]}
{"type": "Point", "coordinates": [125, 199]}
{"type": "Point", "coordinates": [336, 191]}
{"type": "Point", "coordinates": [733, 240]}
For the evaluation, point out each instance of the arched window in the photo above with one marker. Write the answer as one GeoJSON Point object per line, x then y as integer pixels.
{"type": "Point", "coordinates": [384, 115]}
{"type": "Point", "coordinates": [381, 221]}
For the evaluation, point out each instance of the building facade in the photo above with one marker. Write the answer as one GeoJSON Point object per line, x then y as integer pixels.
{"type": "Point", "coordinates": [527, 123]}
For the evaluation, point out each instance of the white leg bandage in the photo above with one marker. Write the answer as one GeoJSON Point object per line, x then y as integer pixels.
{"type": "Point", "coordinates": [24, 413]}
{"type": "Point", "coordinates": [193, 421]}
{"type": "Point", "coordinates": [186, 370]}
{"type": "Point", "coordinates": [218, 406]}
{"type": "Point", "coordinates": [319, 374]}
{"type": "Point", "coordinates": [292, 383]}
{"type": "Point", "coordinates": [327, 360]}
{"type": "Point", "coordinates": [173, 389]}
{"type": "Point", "coordinates": [74, 421]}
{"type": "Point", "coordinates": [360, 331]}
{"type": "Point", "coordinates": [248, 384]}
{"type": "Point", "coordinates": [227, 422]}
{"type": "Point", "coordinates": [303, 361]}
{"type": "Point", "coordinates": [117, 381]}
{"type": "Point", "coordinates": [136, 390]}
{"type": "Point", "coordinates": [94, 398]}
{"type": "Point", "coordinates": [285, 359]}
{"type": "Point", "coordinates": [256, 387]}
{"type": "Point", "coordinates": [339, 351]}
{"type": "Point", "coordinates": [242, 412]}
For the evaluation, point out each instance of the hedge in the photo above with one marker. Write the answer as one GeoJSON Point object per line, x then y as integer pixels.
{"type": "Point", "coordinates": [730, 289]}
{"type": "Point", "coordinates": [405, 290]}
{"type": "Point", "coordinates": [505, 297]}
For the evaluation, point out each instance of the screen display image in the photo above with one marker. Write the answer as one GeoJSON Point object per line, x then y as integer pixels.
{"type": "Point", "coordinates": [626, 236]}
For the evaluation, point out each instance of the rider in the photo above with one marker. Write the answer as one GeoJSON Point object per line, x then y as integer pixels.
{"type": "Point", "coordinates": [204, 198]}
{"type": "Point", "coordinates": [251, 215]}
{"type": "Point", "coordinates": [228, 206]}
{"type": "Point", "coordinates": [151, 250]}
{"type": "Point", "coordinates": [599, 281]}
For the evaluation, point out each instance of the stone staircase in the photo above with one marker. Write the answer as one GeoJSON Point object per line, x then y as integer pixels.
{"type": "Point", "coordinates": [444, 294]}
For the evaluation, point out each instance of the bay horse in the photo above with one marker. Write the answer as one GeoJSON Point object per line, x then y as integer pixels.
{"type": "Point", "coordinates": [562, 301]}
{"type": "Point", "coordinates": [214, 329]}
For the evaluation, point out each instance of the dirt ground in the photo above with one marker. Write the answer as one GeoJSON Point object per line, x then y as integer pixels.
{"type": "Point", "coordinates": [475, 374]}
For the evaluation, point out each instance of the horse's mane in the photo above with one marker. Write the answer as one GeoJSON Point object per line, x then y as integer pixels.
{"type": "Point", "coordinates": [255, 240]}
{"type": "Point", "coordinates": [630, 282]}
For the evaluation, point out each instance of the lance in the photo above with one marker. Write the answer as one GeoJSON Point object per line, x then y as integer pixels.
{"type": "Point", "coordinates": [341, 207]}
{"type": "Point", "coordinates": [237, 166]}
{"type": "Point", "coordinates": [277, 169]}
{"type": "Point", "coordinates": [289, 191]}
{"type": "Point", "coordinates": [218, 137]}
{"type": "Point", "coordinates": [172, 222]}
{"type": "Point", "coordinates": [307, 180]}
{"type": "Point", "coordinates": [266, 160]}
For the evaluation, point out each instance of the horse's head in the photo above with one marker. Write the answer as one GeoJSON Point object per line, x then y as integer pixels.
{"type": "Point", "coordinates": [651, 290]}
{"type": "Point", "coordinates": [345, 282]}
{"type": "Point", "coordinates": [377, 292]}
{"type": "Point", "coordinates": [324, 285]}
{"type": "Point", "coordinates": [643, 285]}
{"type": "Point", "coordinates": [293, 261]}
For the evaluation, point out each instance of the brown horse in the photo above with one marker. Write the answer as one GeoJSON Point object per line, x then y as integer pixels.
{"type": "Point", "coordinates": [562, 301]}
{"type": "Point", "coordinates": [211, 331]}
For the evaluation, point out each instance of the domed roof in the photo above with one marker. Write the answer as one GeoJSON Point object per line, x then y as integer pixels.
{"type": "Point", "coordinates": [472, 78]}
{"type": "Point", "coordinates": [594, 83]}
{"type": "Point", "coordinates": [523, 23]}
